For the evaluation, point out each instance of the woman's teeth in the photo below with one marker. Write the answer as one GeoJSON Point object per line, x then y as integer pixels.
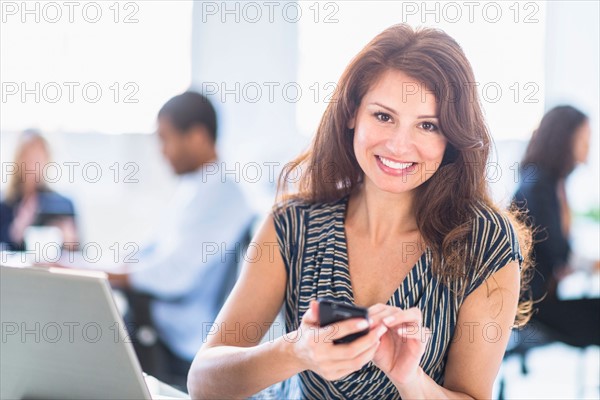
{"type": "Point", "coordinates": [393, 164]}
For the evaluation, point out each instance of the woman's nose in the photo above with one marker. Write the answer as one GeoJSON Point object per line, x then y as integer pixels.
{"type": "Point", "coordinates": [400, 139]}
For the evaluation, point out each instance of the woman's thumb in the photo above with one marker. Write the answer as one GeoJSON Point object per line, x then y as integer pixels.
{"type": "Point", "coordinates": [311, 317]}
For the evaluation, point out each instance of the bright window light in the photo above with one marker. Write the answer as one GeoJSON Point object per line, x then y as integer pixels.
{"type": "Point", "coordinates": [102, 66]}
{"type": "Point", "coordinates": [504, 41]}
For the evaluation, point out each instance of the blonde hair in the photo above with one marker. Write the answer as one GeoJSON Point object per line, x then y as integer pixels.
{"type": "Point", "coordinates": [28, 139]}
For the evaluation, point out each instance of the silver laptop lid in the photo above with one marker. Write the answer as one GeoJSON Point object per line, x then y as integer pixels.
{"type": "Point", "coordinates": [63, 338]}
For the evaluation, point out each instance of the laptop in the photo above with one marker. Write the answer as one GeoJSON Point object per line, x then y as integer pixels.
{"type": "Point", "coordinates": [63, 338]}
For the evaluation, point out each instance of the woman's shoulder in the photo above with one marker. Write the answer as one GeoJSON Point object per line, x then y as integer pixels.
{"type": "Point", "coordinates": [491, 218]}
{"type": "Point", "coordinates": [55, 203]}
{"type": "Point", "coordinates": [493, 231]}
{"type": "Point", "coordinates": [494, 234]}
{"type": "Point", "coordinates": [297, 216]}
{"type": "Point", "coordinates": [495, 243]}
{"type": "Point", "coordinates": [297, 219]}
{"type": "Point", "coordinates": [5, 207]}
{"type": "Point", "coordinates": [298, 205]}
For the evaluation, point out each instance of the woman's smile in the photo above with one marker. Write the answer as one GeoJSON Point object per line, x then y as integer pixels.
{"type": "Point", "coordinates": [396, 168]}
{"type": "Point", "coordinates": [397, 134]}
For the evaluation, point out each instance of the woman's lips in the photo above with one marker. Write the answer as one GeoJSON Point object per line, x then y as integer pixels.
{"type": "Point", "coordinates": [396, 168]}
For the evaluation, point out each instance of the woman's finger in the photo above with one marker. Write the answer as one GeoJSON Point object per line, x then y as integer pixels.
{"type": "Point", "coordinates": [311, 317]}
{"type": "Point", "coordinates": [392, 316]}
{"type": "Point", "coordinates": [352, 350]}
{"type": "Point", "coordinates": [410, 316]}
{"type": "Point", "coordinates": [420, 334]}
{"type": "Point", "coordinates": [374, 309]}
{"type": "Point", "coordinates": [377, 316]}
{"type": "Point", "coordinates": [342, 329]}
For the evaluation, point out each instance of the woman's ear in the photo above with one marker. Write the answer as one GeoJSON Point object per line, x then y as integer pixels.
{"type": "Point", "coordinates": [351, 123]}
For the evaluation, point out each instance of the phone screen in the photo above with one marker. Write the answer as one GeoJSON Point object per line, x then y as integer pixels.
{"type": "Point", "coordinates": [331, 312]}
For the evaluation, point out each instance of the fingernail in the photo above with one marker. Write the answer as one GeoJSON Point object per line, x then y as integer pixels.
{"type": "Point", "coordinates": [363, 324]}
{"type": "Point", "coordinates": [382, 330]}
{"type": "Point", "coordinates": [389, 320]}
{"type": "Point", "coordinates": [405, 331]}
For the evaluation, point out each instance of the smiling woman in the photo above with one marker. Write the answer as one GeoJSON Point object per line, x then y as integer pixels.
{"type": "Point", "coordinates": [391, 213]}
{"type": "Point", "coordinates": [396, 134]}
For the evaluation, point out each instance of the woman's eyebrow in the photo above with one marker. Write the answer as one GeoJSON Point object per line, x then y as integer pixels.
{"type": "Point", "coordinates": [395, 112]}
{"type": "Point", "coordinates": [386, 107]}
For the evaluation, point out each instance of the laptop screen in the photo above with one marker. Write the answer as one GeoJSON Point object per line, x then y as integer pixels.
{"type": "Point", "coordinates": [63, 338]}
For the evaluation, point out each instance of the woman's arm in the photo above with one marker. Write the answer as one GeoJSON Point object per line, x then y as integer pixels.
{"type": "Point", "coordinates": [230, 364]}
{"type": "Point", "coordinates": [228, 371]}
{"type": "Point", "coordinates": [485, 320]}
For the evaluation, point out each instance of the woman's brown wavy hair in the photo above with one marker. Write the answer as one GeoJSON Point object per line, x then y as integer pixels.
{"type": "Point", "coordinates": [444, 212]}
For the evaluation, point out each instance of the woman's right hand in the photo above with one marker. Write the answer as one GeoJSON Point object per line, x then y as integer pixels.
{"type": "Point", "coordinates": [24, 217]}
{"type": "Point", "coordinates": [316, 351]}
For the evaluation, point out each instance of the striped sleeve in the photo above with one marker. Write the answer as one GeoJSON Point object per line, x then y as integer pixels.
{"type": "Point", "coordinates": [495, 245]}
{"type": "Point", "coordinates": [286, 219]}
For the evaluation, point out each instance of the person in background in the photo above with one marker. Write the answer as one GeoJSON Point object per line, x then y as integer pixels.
{"type": "Point", "coordinates": [29, 201]}
{"type": "Point", "coordinates": [187, 265]}
{"type": "Point", "coordinates": [556, 148]}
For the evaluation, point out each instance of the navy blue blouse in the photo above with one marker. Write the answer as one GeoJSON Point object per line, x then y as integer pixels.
{"type": "Point", "coordinates": [312, 242]}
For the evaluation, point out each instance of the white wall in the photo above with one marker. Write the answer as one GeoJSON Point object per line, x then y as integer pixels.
{"type": "Point", "coordinates": [244, 67]}
{"type": "Point", "coordinates": [573, 77]}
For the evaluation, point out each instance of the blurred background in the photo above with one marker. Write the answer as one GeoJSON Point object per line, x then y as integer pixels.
{"type": "Point", "coordinates": [91, 76]}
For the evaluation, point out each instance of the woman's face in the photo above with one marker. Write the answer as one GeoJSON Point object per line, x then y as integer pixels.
{"type": "Point", "coordinates": [581, 147]}
{"type": "Point", "coordinates": [397, 140]}
{"type": "Point", "coordinates": [32, 162]}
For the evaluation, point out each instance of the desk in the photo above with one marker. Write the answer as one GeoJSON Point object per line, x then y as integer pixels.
{"type": "Point", "coordinates": [47, 348]}
{"type": "Point", "coordinates": [161, 391]}
{"type": "Point", "coordinates": [584, 282]}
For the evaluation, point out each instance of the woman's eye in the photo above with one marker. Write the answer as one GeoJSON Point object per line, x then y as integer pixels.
{"type": "Point", "coordinates": [428, 126]}
{"type": "Point", "coordinates": [383, 117]}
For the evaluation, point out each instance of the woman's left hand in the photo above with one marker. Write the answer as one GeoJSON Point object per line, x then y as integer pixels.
{"type": "Point", "coordinates": [403, 345]}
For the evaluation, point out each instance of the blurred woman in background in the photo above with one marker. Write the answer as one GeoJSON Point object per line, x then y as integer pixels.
{"type": "Point", "coordinates": [556, 148]}
{"type": "Point", "coordinates": [29, 201]}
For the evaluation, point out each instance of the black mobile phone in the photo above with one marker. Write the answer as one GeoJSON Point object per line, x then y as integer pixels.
{"type": "Point", "coordinates": [333, 311]}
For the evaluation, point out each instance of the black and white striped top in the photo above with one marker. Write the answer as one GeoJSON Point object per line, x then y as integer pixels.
{"type": "Point", "coordinates": [312, 242]}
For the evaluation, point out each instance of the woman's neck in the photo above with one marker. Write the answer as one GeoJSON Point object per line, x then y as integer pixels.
{"type": "Point", "coordinates": [381, 215]}
{"type": "Point", "coordinates": [28, 192]}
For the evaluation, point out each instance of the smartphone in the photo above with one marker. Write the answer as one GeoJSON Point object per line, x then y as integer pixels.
{"type": "Point", "coordinates": [332, 311]}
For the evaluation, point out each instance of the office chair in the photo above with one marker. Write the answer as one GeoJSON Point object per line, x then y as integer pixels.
{"type": "Point", "coordinates": [532, 336]}
{"type": "Point", "coordinates": [152, 354]}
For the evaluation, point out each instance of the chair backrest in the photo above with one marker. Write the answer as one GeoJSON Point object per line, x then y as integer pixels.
{"type": "Point", "coordinates": [529, 337]}
{"type": "Point", "coordinates": [234, 266]}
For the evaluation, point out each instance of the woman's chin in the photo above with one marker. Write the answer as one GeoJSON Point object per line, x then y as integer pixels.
{"type": "Point", "coordinates": [392, 187]}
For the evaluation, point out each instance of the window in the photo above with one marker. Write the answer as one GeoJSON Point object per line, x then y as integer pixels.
{"type": "Point", "coordinates": [103, 66]}
{"type": "Point", "coordinates": [504, 41]}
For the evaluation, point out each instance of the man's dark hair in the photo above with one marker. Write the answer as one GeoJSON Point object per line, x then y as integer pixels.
{"type": "Point", "coordinates": [188, 110]}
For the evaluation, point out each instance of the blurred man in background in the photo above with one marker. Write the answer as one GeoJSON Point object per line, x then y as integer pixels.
{"type": "Point", "coordinates": [189, 266]}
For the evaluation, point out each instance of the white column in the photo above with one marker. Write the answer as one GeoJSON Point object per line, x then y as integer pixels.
{"type": "Point", "coordinates": [573, 77]}
{"type": "Point", "coordinates": [245, 57]}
